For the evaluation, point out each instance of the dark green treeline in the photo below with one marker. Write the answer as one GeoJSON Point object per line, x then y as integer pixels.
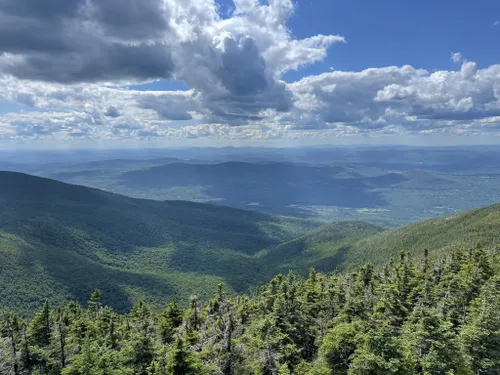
{"type": "Point", "coordinates": [411, 317]}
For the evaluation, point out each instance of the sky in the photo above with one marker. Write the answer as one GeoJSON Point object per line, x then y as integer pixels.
{"type": "Point", "coordinates": [148, 73]}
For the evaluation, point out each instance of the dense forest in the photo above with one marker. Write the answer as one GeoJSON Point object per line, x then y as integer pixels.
{"type": "Point", "coordinates": [413, 316]}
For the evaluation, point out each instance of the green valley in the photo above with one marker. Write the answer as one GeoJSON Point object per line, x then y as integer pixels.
{"type": "Point", "coordinates": [60, 241]}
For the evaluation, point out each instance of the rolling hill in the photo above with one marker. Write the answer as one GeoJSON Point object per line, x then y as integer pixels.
{"type": "Point", "coordinates": [60, 241]}
{"type": "Point", "coordinates": [330, 246]}
{"type": "Point", "coordinates": [463, 230]}
{"type": "Point", "coordinates": [328, 192]}
{"type": "Point", "coordinates": [265, 186]}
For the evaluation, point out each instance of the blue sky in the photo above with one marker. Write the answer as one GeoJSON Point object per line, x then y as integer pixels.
{"type": "Point", "coordinates": [389, 32]}
{"type": "Point", "coordinates": [249, 72]}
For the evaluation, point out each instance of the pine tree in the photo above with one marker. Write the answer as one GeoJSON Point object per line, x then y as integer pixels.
{"type": "Point", "coordinates": [39, 330]}
{"type": "Point", "coordinates": [379, 351]}
{"type": "Point", "coordinates": [182, 361]}
{"type": "Point", "coordinates": [480, 338]}
{"type": "Point", "coordinates": [170, 320]}
{"type": "Point", "coordinates": [61, 326]}
{"type": "Point", "coordinates": [160, 364]}
{"type": "Point", "coordinates": [10, 329]}
{"type": "Point", "coordinates": [429, 343]}
{"type": "Point", "coordinates": [227, 360]}
{"type": "Point", "coordinates": [427, 317]}
{"type": "Point", "coordinates": [95, 301]}
{"type": "Point", "coordinates": [339, 345]}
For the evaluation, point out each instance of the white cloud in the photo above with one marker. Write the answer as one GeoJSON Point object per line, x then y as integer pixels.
{"type": "Point", "coordinates": [413, 99]}
{"type": "Point", "coordinates": [456, 57]}
{"type": "Point", "coordinates": [232, 64]}
{"type": "Point", "coordinates": [496, 23]}
{"type": "Point", "coordinates": [69, 63]}
{"type": "Point", "coordinates": [386, 100]}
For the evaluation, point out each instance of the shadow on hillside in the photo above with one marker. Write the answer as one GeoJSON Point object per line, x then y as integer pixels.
{"type": "Point", "coordinates": [240, 271]}
{"type": "Point", "coordinates": [81, 276]}
{"type": "Point", "coordinates": [273, 186]}
{"type": "Point", "coordinates": [121, 226]}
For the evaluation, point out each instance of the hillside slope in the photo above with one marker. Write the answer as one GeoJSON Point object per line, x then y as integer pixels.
{"type": "Point", "coordinates": [439, 236]}
{"type": "Point", "coordinates": [60, 241]}
{"type": "Point", "coordinates": [270, 187]}
{"type": "Point", "coordinates": [463, 231]}
{"type": "Point", "coordinates": [324, 248]}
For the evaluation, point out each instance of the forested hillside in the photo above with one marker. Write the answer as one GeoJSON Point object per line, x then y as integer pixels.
{"type": "Point", "coordinates": [441, 235]}
{"type": "Point", "coordinates": [413, 317]}
{"type": "Point", "coordinates": [326, 185]}
{"type": "Point", "coordinates": [60, 241]}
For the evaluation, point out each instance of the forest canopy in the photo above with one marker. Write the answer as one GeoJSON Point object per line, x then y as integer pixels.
{"type": "Point", "coordinates": [409, 317]}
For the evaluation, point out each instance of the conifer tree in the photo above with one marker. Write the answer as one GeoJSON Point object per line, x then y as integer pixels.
{"type": "Point", "coordinates": [182, 361]}
{"type": "Point", "coordinates": [170, 320]}
{"type": "Point", "coordinates": [39, 330]}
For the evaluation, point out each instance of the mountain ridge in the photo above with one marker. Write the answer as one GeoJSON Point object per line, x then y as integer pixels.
{"type": "Point", "coordinates": [75, 238]}
{"type": "Point", "coordinates": [60, 241]}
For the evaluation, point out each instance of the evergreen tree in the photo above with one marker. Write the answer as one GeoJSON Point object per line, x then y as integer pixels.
{"type": "Point", "coordinates": [10, 329]}
{"type": "Point", "coordinates": [182, 361]}
{"type": "Point", "coordinates": [95, 301]}
{"type": "Point", "coordinates": [170, 320]}
{"type": "Point", "coordinates": [429, 343]}
{"type": "Point", "coordinates": [438, 317]}
{"type": "Point", "coordinates": [340, 344]}
{"type": "Point", "coordinates": [39, 330]}
{"type": "Point", "coordinates": [480, 338]}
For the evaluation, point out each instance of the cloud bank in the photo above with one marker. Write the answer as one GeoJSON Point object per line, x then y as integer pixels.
{"type": "Point", "coordinates": [69, 62]}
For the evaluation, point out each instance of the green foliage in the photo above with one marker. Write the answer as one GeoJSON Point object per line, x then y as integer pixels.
{"type": "Point", "coordinates": [40, 327]}
{"type": "Point", "coordinates": [480, 337]}
{"type": "Point", "coordinates": [170, 320]}
{"type": "Point", "coordinates": [60, 242]}
{"type": "Point", "coordinates": [412, 317]}
{"type": "Point", "coordinates": [182, 360]}
{"type": "Point", "coordinates": [420, 312]}
{"type": "Point", "coordinates": [460, 231]}
{"type": "Point", "coordinates": [350, 244]}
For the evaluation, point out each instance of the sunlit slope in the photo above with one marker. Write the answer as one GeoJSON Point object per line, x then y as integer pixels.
{"type": "Point", "coordinates": [439, 236]}
{"type": "Point", "coordinates": [347, 244]}
{"type": "Point", "coordinates": [60, 241]}
{"type": "Point", "coordinates": [463, 230]}
{"type": "Point", "coordinates": [323, 248]}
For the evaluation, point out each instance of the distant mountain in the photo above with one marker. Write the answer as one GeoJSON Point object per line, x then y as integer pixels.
{"type": "Point", "coordinates": [328, 192]}
{"type": "Point", "coordinates": [270, 186]}
{"type": "Point", "coordinates": [60, 241]}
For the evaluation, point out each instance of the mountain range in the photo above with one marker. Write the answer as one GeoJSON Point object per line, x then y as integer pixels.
{"type": "Point", "coordinates": [60, 241]}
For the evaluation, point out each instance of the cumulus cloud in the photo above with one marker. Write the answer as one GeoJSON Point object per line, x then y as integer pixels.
{"type": "Point", "coordinates": [71, 61]}
{"type": "Point", "coordinates": [179, 105]}
{"type": "Point", "coordinates": [348, 97]}
{"type": "Point", "coordinates": [390, 100]}
{"type": "Point", "coordinates": [83, 41]}
{"type": "Point", "coordinates": [233, 64]}
{"type": "Point", "coordinates": [411, 98]}
{"type": "Point", "coordinates": [461, 95]}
